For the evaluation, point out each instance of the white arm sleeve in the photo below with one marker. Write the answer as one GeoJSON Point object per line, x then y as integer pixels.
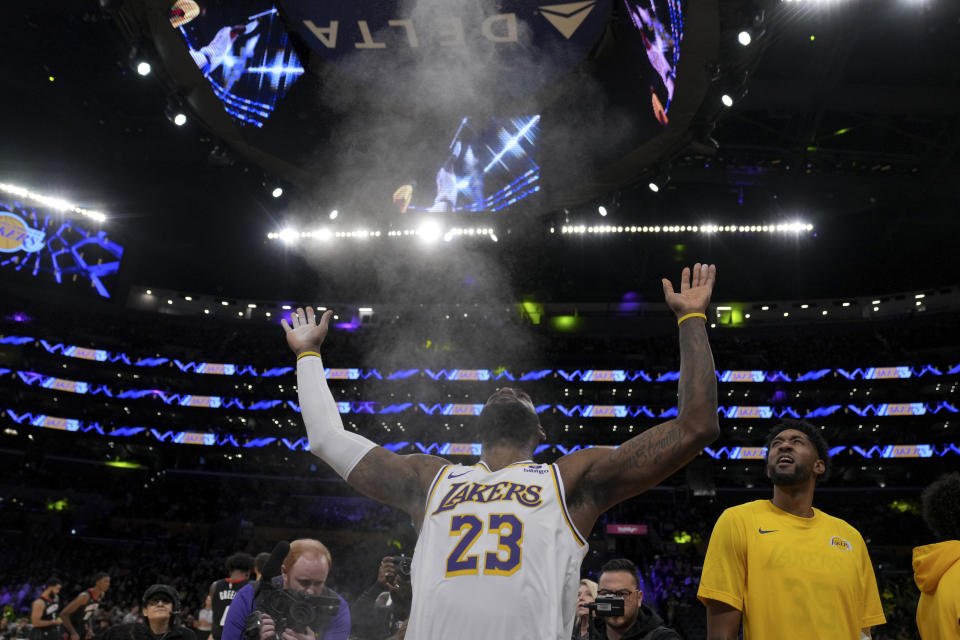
{"type": "Point", "coordinates": [329, 441]}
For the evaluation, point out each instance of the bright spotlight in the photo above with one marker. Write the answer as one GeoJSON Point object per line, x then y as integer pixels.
{"type": "Point", "coordinates": [143, 68]}
{"type": "Point", "coordinates": [494, 237]}
{"type": "Point", "coordinates": [288, 235]}
{"type": "Point", "coordinates": [334, 214]}
{"type": "Point", "coordinates": [179, 119]}
{"type": "Point", "coordinates": [744, 38]}
{"type": "Point", "coordinates": [429, 231]}
{"type": "Point", "coordinates": [277, 192]}
{"type": "Point", "coordinates": [726, 100]}
{"type": "Point", "coordinates": [653, 186]}
{"type": "Point", "coordinates": [602, 210]}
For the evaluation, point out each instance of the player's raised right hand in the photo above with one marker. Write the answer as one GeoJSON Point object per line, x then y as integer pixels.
{"type": "Point", "coordinates": [304, 333]}
{"type": "Point", "coordinates": [696, 286]}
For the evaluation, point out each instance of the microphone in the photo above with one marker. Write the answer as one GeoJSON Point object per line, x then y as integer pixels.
{"type": "Point", "coordinates": [272, 569]}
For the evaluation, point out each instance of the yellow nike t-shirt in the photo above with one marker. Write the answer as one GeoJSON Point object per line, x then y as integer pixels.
{"type": "Point", "coordinates": [790, 575]}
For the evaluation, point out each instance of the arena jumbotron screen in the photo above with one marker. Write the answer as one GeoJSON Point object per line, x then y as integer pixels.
{"type": "Point", "coordinates": [406, 108]}
{"type": "Point", "coordinates": [42, 245]}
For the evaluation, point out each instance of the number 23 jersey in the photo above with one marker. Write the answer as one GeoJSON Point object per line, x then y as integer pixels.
{"type": "Point", "coordinates": [497, 556]}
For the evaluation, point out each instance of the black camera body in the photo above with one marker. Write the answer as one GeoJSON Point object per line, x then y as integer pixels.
{"type": "Point", "coordinates": [294, 610]}
{"type": "Point", "coordinates": [607, 606]}
{"type": "Point", "coordinates": [289, 609]}
{"type": "Point", "coordinates": [403, 565]}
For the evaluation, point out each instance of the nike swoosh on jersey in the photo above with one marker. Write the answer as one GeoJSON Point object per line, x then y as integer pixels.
{"type": "Point", "coordinates": [769, 531]}
{"type": "Point", "coordinates": [459, 474]}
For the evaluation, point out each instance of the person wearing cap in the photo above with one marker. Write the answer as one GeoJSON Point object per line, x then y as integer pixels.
{"type": "Point", "coordinates": [45, 612]}
{"type": "Point", "coordinates": [160, 605]}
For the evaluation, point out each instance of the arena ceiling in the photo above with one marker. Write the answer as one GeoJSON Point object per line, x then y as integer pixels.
{"type": "Point", "coordinates": [848, 122]}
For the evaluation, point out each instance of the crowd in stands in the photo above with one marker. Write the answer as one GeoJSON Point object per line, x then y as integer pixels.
{"type": "Point", "coordinates": [190, 557]}
{"type": "Point", "coordinates": [451, 340]}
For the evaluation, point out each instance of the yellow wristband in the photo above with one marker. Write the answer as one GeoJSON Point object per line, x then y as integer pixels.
{"type": "Point", "coordinates": [307, 353]}
{"type": "Point", "coordinates": [691, 315]}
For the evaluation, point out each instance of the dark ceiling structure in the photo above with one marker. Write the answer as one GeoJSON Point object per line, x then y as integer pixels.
{"type": "Point", "coordinates": [844, 116]}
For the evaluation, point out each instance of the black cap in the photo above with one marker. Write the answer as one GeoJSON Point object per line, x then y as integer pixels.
{"type": "Point", "coordinates": [161, 589]}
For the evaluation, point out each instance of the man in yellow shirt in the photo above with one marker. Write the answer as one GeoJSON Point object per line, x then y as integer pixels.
{"type": "Point", "coordinates": [783, 568]}
{"type": "Point", "coordinates": [936, 567]}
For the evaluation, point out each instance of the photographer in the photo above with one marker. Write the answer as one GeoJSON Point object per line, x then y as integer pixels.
{"type": "Point", "coordinates": [161, 604]}
{"type": "Point", "coordinates": [618, 589]}
{"type": "Point", "coordinates": [382, 608]}
{"type": "Point", "coordinates": [304, 570]}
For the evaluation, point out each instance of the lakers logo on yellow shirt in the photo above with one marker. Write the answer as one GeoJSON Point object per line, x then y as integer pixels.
{"type": "Point", "coordinates": [840, 543]}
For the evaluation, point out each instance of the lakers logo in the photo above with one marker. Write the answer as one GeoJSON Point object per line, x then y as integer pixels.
{"type": "Point", "coordinates": [841, 544]}
{"type": "Point", "coordinates": [16, 235]}
{"type": "Point", "coordinates": [527, 495]}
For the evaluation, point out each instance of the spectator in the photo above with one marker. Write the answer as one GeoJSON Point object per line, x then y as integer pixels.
{"type": "Point", "coordinates": [204, 622]}
{"type": "Point", "coordinates": [937, 566]}
{"type": "Point", "coordinates": [586, 594]}
{"type": "Point", "coordinates": [160, 603]}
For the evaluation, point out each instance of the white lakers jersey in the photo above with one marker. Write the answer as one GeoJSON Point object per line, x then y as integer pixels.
{"type": "Point", "coordinates": [497, 557]}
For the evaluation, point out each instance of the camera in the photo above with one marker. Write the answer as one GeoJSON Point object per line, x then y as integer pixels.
{"type": "Point", "coordinates": [607, 606]}
{"type": "Point", "coordinates": [294, 610]}
{"type": "Point", "coordinates": [402, 563]}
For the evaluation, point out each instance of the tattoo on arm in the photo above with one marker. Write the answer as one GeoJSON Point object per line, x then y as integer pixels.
{"type": "Point", "coordinates": [698, 381]}
{"type": "Point", "coordinates": [648, 448]}
{"type": "Point", "coordinates": [697, 410]}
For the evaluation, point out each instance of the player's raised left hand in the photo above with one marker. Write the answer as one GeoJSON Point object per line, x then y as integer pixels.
{"type": "Point", "coordinates": [696, 286]}
{"type": "Point", "coordinates": [304, 333]}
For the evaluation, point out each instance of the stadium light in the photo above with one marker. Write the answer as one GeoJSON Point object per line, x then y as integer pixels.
{"type": "Point", "coordinates": [429, 231]}
{"type": "Point", "coordinates": [175, 112]}
{"type": "Point", "coordinates": [288, 235]}
{"type": "Point", "coordinates": [144, 68]}
{"type": "Point", "coordinates": [334, 214]}
{"type": "Point", "coordinates": [727, 100]}
{"type": "Point", "coordinates": [53, 203]}
{"type": "Point", "coordinates": [602, 210]}
{"type": "Point", "coordinates": [744, 38]}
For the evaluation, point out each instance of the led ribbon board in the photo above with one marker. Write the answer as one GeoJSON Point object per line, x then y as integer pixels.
{"type": "Point", "coordinates": [473, 375]}
{"type": "Point", "coordinates": [440, 448]}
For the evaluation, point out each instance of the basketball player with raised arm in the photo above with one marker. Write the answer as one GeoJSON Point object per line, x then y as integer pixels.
{"type": "Point", "coordinates": [501, 541]}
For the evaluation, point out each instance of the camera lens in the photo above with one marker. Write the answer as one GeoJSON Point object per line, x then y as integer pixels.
{"type": "Point", "coordinates": [300, 614]}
